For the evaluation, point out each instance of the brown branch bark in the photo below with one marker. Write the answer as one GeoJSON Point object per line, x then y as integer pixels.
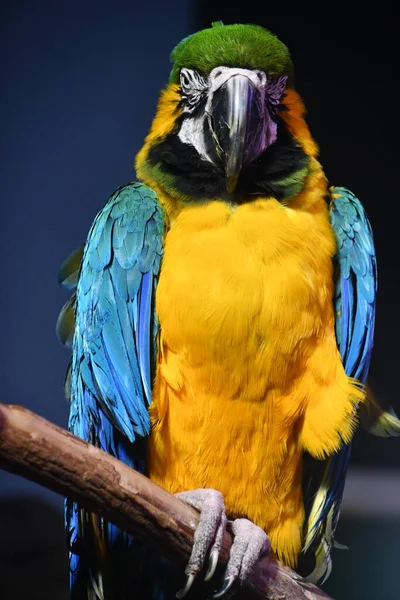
{"type": "Point", "coordinates": [40, 451]}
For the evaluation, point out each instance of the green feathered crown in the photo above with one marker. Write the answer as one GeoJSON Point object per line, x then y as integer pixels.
{"type": "Point", "coordinates": [243, 46]}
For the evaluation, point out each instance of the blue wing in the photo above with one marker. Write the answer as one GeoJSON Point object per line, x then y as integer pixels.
{"type": "Point", "coordinates": [111, 372]}
{"type": "Point", "coordinates": [354, 302]}
{"type": "Point", "coordinates": [356, 283]}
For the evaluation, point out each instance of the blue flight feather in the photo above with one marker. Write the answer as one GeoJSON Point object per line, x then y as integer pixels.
{"type": "Point", "coordinates": [111, 370]}
{"type": "Point", "coordinates": [354, 302]}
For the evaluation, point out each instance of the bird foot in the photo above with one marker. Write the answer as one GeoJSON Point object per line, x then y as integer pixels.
{"type": "Point", "coordinates": [249, 542]}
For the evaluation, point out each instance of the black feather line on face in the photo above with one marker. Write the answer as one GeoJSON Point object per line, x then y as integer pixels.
{"type": "Point", "coordinates": [195, 177]}
{"type": "Point", "coordinates": [195, 109]}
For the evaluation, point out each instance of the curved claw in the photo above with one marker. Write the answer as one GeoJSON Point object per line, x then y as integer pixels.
{"type": "Point", "coordinates": [249, 542]}
{"type": "Point", "coordinates": [208, 535]}
{"type": "Point", "coordinates": [226, 586]}
{"type": "Point", "coordinates": [212, 565]}
{"type": "Point", "coordinates": [189, 582]}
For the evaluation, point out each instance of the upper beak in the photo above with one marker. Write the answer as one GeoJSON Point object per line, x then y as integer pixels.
{"type": "Point", "coordinates": [238, 121]}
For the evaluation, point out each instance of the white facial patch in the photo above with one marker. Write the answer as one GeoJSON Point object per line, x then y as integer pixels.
{"type": "Point", "coordinates": [194, 87]}
{"type": "Point", "coordinates": [192, 132]}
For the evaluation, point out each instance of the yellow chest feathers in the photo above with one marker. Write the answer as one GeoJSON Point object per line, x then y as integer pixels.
{"type": "Point", "coordinates": [248, 373]}
{"type": "Point", "coordinates": [246, 284]}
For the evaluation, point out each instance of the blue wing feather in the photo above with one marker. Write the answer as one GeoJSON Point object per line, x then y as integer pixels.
{"type": "Point", "coordinates": [354, 303]}
{"type": "Point", "coordinates": [114, 340]}
{"type": "Point", "coordinates": [116, 270]}
{"type": "Point", "coordinates": [357, 278]}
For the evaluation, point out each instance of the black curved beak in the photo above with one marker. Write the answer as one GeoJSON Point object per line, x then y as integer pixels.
{"type": "Point", "coordinates": [238, 121]}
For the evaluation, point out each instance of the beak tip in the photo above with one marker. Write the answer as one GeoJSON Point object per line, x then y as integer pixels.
{"type": "Point", "coordinates": [231, 182]}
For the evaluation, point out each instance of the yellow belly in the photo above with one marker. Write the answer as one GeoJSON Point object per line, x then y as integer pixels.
{"type": "Point", "coordinates": [248, 373]}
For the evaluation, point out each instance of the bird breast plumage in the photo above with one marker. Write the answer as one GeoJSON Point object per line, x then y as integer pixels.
{"type": "Point", "coordinates": [246, 347]}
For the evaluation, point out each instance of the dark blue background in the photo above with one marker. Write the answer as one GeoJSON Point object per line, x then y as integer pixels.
{"type": "Point", "coordinates": [79, 87]}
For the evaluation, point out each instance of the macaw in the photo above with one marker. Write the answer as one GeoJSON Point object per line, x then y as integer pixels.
{"type": "Point", "coordinates": [222, 325]}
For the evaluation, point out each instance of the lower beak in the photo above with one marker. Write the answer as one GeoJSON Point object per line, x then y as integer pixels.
{"type": "Point", "coordinates": [238, 121]}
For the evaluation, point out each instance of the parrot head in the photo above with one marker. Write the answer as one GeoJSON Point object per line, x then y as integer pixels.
{"type": "Point", "coordinates": [229, 124]}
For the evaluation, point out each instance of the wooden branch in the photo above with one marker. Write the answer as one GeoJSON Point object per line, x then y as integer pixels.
{"type": "Point", "coordinates": [42, 452]}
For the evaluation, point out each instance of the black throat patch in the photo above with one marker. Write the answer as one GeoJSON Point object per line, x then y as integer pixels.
{"type": "Point", "coordinates": [279, 172]}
